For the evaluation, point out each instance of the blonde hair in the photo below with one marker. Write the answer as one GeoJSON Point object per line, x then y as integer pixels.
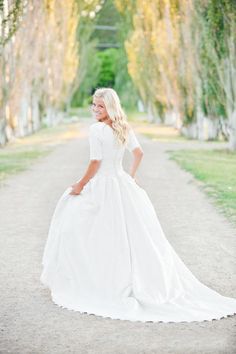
{"type": "Point", "coordinates": [115, 112]}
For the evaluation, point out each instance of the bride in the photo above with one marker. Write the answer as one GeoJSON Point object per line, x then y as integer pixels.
{"type": "Point", "coordinates": [106, 253]}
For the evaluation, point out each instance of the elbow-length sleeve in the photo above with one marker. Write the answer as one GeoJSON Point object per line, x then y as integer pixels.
{"type": "Point", "coordinates": [132, 142]}
{"type": "Point", "coordinates": [95, 144]}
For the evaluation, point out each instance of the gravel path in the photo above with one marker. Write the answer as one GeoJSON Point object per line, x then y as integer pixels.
{"type": "Point", "coordinates": [204, 239]}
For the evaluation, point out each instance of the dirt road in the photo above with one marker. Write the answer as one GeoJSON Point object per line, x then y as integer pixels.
{"type": "Point", "coordinates": [205, 240]}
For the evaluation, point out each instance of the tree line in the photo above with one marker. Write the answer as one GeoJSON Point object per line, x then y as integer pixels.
{"type": "Point", "coordinates": [177, 56]}
{"type": "Point", "coordinates": [182, 59]}
{"type": "Point", "coordinates": [39, 62]}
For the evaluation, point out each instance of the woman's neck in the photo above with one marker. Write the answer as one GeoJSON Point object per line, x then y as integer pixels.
{"type": "Point", "coordinates": [107, 121]}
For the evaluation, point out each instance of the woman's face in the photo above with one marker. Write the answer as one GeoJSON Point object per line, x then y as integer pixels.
{"type": "Point", "coordinates": [99, 109]}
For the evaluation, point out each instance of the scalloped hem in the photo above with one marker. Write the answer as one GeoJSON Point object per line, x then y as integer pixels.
{"type": "Point", "coordinates": [143, 321]}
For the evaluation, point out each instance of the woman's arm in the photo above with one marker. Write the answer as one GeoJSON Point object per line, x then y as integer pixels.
{"type": "Point", "coordinates": [138, 155]}
{"type": "Point", "coordinates": [91, 171]}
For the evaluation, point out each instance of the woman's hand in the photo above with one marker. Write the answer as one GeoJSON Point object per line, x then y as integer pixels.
{"type": "Point", "coordinates": [76, 188]}
{"type": "Point", "coordinates": [135, 179]}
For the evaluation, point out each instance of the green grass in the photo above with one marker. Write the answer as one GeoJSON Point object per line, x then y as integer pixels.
{"type": "Point", "coordinates": [12, 162]}
{"type": "Point", "coordinates": [19, 154]}
{"type": "Point", "coordinates": [216, 169]}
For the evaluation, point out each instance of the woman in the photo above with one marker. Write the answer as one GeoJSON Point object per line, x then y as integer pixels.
{"type": "Point", "coordinates": [106, 253]}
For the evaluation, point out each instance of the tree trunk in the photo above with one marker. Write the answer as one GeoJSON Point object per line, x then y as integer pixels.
{"type": "Point", "coordinates": [3, 135]}
{"type": "Point", "coordinates": [232, 131]}
{"type": "Point", "coordinates": [152, 113]}
{"type": "Point", "coordinates": [35, 113]}
{"type": "Point", "coordinates": [208, 128]}
{"type": "Point", "coordinates": [190, 130]}
{"type": "Point", "coordinates": [23, 126]}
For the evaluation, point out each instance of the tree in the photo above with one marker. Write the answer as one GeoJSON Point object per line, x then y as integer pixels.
{"type": "Point", "coordinates": [39, 61]}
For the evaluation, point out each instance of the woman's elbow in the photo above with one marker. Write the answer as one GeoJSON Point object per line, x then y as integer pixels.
{"type": "Point", "coordinates": [95, 163]}
{"type": "Point", "coordinates": [138, 152]}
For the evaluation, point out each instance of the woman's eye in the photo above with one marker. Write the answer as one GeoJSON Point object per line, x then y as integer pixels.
{"type": "Point", "coordinates": [94, 105]}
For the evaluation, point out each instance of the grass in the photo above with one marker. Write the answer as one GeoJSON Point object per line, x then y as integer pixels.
{"type": "Point", "coordinates": [14, 162]}
{"type": "Point", "coordinates": [20, 153]}
{"type": "Point", "coordinates": [216, 169]}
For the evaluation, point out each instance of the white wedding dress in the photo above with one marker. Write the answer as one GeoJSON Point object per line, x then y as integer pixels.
{"type": "Point", "coordinates": [106, 253]}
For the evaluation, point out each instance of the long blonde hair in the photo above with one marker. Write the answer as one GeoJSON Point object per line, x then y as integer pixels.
{"type": "Point", "coordinates": [115, 112]}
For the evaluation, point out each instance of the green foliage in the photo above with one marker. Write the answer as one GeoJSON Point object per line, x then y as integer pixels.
{"type": "Point", "coordinates": [13, 162]}
{"type": "Point", "coordinates": [12, 20]}
{"type": "Point", "coordinates": [123, 83]}
{"type": "Point", "coordinates": [88, 65]}
{"type": "Point", "coordinates": [89, 79]}
{"type": "Point", "coordinates": [214, 20]}
{"type": "Point", "coordinates": [108, 67]}
{"type": "Point", "coordinates": [103, 61]}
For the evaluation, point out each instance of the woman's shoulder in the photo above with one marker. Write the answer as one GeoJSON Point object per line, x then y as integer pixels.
{"type": "Point", "coordinates": [96, 128]}
{"type": "Point", "coordinates": [95, 124]}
